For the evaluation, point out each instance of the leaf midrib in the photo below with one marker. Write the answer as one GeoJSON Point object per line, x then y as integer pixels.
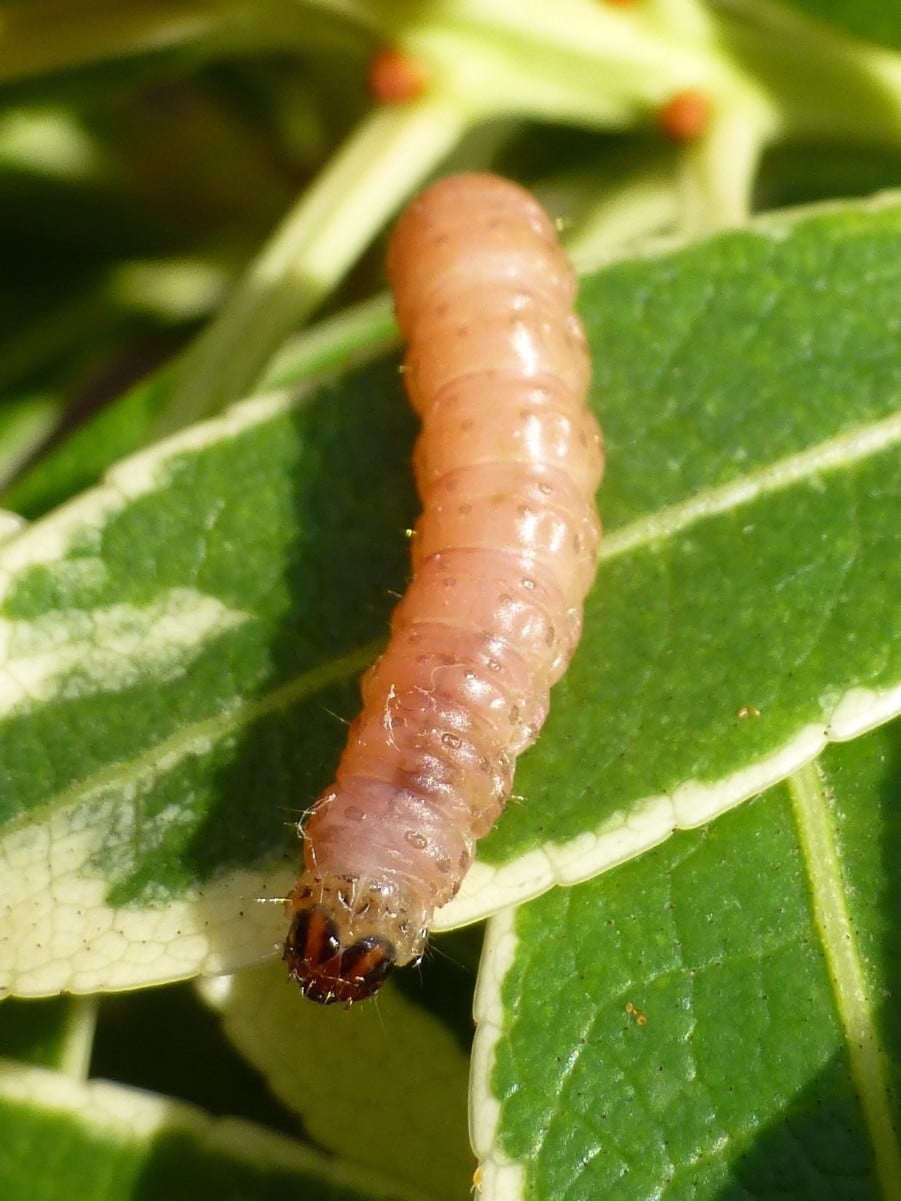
{"type": "Point", "coordinates": [844, 450]}
{"type": "Point", "coordinates": [815, 824]}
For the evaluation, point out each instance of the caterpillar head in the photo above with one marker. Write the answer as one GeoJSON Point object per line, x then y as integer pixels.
{"type": "Point", "coordinates": [328, 971]}
{"type": "Point", "coordinates": [347, 933]}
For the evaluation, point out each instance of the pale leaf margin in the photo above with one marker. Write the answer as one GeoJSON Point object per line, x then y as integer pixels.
{"type": "Point", "coordinates": [130, 1121]}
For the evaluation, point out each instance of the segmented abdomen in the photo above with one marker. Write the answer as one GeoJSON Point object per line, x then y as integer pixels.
{"type": "Point", "coordinates": [507, 465]}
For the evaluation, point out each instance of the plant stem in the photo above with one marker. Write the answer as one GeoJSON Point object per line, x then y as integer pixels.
{"type": "Point", "coordinates": [637, 206]}
{"type": "Point", "coordinates": [575, 60]}
{"type": "Point", "coordinates": [355, 335]}
{"type": "Point", "coordinates": [334, 220]}
{"type": "Point", "coordinates": [54, 35]}
{"type": "Point", "coordinates": [57, 35]}
{"type": "Point", "coordinates": [718, 170]}
{"type": "Point", "coordinates": [824, 84]}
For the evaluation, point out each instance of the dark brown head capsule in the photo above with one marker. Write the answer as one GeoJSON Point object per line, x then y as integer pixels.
{"type": "Point", "coordinates": [325, 971]}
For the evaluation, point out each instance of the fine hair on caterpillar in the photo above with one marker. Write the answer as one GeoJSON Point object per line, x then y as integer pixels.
{"type": "Point", "coordinates": [507, 464]}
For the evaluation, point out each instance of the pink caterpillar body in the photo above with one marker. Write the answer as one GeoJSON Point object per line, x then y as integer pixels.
{"type": "Point", "coordinates": [507, 464]}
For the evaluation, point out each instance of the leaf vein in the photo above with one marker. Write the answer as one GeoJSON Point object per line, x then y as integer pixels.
{"type": "Point", "coordinates": [813, 816]}
{"type": "Point", "coordinates": [845, 449]}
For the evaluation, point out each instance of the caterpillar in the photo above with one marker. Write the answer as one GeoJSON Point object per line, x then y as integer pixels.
{"type": "Point", "coordinates": [507, 464]}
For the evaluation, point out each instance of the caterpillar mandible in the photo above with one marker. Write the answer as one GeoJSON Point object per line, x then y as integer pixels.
{"type": "Point", "coordinates": [507, 465]}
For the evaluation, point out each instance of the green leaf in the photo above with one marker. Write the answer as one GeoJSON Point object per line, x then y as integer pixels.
{"type": "Point", "coordinates": [180, 640]}
{"type": "Point", "coordinates": [417, 1132]}
{"type": "Point", "coordinates": [163, 691]}
{"type": "Point", "coordinates": [24, 423]}
{"type": "Point", "coordinates": [749, 401]}
{"type": "Point", "coordinates": [870, 19]}
{"type": "Point", "coordinates": [713, 1019]}
{"type": "Point", "coordinates": [64, 1139]}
